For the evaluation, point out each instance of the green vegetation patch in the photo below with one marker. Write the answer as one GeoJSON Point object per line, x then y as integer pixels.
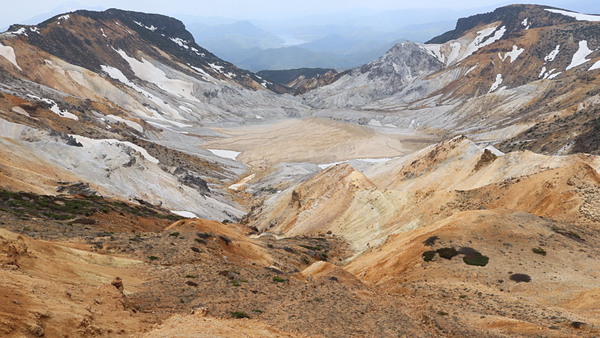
{"type": "Point", "coordinates": [476, 259]}
{"type": "Point", "coordinates": [428, 256]}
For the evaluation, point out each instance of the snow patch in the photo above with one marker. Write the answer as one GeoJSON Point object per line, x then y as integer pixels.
{"type": "Point", "coordinates": [90, 142]}
{"type": "Point", "coordinates": [578, 16]}
{"type": "Point", "coordinates": [258, 117]}
{"type": "Point", "coordinates": [186, 214]}
{"type": "Point", "coordinates": [513, 54]}
{"type": "Point", "coordinates": [225, 153]}
{"type": "Point", "coordinates": [180, 42]}
{"type": "Point", "coordinates": [374, 123]}
{"type": "Point", "coordinates": [454, 53]}
{"type": "Point", "coordinates": [241, 183]}
{"type": "Point", "coordinates": [216, 67]}
{"type": "Point", "coordinates": [494, 151]}
{"type": "Point", "coordinates": [127, 122]}
{"type": "Point", "coordinates": [497, 83]}
{"type": "Point", "coordinates": [550, 57]}
{"type": "Point", "coordinates": [9, 53]}
{"type": "Point", "coordinates": [64, 17]}
{"type": "Point", "coordinates": [579, 57]}
{"type": "Point", "coordinates": [471, 69]}
{"type": "Point", "coordinates": [550, 77]}
{"type": "Point", "coordinates": [103, 34]}
{"type": "Point", "coordinates": [484, 39]}
{"type": "Point", "coordinates": [595, 66]}
{"type": "Point", "coordinates": [525, 23]}
{"type": "Point", "coordinates": [435, 51]}
{"type": "Point", "coordinates": [151, 27]}
{"type": "Point", "coordinates": [55, 109]}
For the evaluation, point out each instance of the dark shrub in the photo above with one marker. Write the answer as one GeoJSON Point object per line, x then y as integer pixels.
{"type": "Point", "coordinates": [204, 235]}
{"type": "Point", "coordinates": [431, 240]}
{"type": "Point", "coordinates": [577, 325]}
{"type": "Point", "coordinates": [447, 253]}
{"type": "Point", "coordinates": [428, 256]}
{"type": "Point", "coordinates": [194, 249]}
{"type": "Point", "coordinates": [225, 239]}
{"type": "Point", "coordinates": [279, 279]}
{"type": "Point", "coordinates": [476, 259]}
{"type": "Point", "coordinates": [239, 315]}
{"type": "Point", "coordinates": [539, 251]}
{"type": "Point", "coordinates": [190, 283]}
{"type": "Point", "coordinates": [520, 277]}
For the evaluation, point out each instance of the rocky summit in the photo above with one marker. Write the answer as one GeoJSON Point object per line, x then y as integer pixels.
{"type": "Point", "coordinates": [451, 188]}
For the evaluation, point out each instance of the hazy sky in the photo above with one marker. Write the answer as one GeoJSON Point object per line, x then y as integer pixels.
{"type": "Point", "coordinates": [19, 11]}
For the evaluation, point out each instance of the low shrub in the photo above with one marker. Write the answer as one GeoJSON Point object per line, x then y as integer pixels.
{"type": "Point", "coordinates": [520, 278]}
{"type": "Point", "coordinates": [539, 251]}
{"type": "Point", "coordinates": [428, 255]}
{"type": "Point", "coordinates": [239, 315]}
{"type": "Point", "coordinates": [431, 240]}
{"type": "Point", "coordinates": [447, 253]}
{"type": "Point", "coordinates": [476, 259]}
{"type": "Point", "coordinates": [279, 279]}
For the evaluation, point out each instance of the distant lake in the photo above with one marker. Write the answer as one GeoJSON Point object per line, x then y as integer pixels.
{"type": "Point", "coordinates": [291, 41]}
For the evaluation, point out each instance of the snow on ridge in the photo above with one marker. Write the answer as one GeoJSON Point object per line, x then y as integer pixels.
{"type": "Point", "coordinates": [550, 57]}
{"type": "Point", "coordinates": [9, 54]}
{"type": "Point", "coordinates": [181, 42]}
{"type": "Point", "coordinates": [578, 16]}
{"type": "Point", "coordinates": [19, 31]}
{"type": "Point", "coordinates": [55, 109]}
{"type": "Point", "coordinates": [151, 27]}
{"type": "Point", "coordinates": [514, 54]}
{"type": "Point", "coordinates": [64, 17]}
{"type": "Point", "coordinates": [216, 67]}
{"type": "Point", "coordinates": [435, 51]}
{"type": "Point", "coordinates": [484, 39]}
{"type": "Point", "coordinates": [580, 56]}
{"type": "Point", "coordinates": [497, 83]}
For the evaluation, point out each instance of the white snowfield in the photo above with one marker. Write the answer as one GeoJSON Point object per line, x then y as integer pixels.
{"type": "Point", "coordinates": [497, 83]}
{"type": "Point", "coordinates": [129, 123]}
{"type": "Point", "coordinates": [9, 53]}
{"type": "Point", "coordinates": [578, 16]}
{"type": "Point", "coordinates": [550, 57]}
{"type": "Point", "coordinates": [225, 153]}
{"type": "Point", "coordinates": [89, 143]}
{"type": "Point", "coordinates": [513, 54]}
{"type": "Point", "coordinates": [484, 39]}
{"type": "Point", "coordinates": [55, 109]}
{"type": "Point", "coordinates": [580, 57]}
{"type": "Point", "coordinates": [151, 27]}
{"type": "Point", "coordinates": [457, 50]}
{"type": "Point", "coordinates": [186, 214]}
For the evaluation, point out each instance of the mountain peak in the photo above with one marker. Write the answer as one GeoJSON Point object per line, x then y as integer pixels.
{"type": "Point", "coordinates": [513, 17]}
